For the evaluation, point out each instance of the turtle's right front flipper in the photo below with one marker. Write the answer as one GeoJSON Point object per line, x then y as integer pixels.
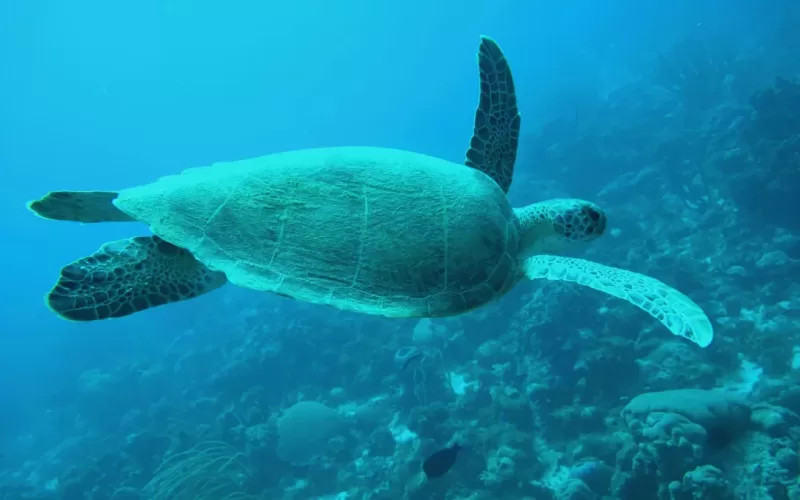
{"type": "Point", "coordinates": [680, 314]}
{"type": "Point", "coordinates": [79, 206]}
{"type": "Point", "coordinates": [128, 276]}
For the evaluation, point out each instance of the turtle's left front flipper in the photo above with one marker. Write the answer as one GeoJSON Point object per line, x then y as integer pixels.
{"type": "Point", "coordinates": [673, 309]}
{"type": "Point", "coordinates": [495, 136]}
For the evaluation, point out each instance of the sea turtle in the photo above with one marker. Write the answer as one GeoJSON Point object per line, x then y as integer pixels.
{"type": "Point", "coordinates": [374, 230]}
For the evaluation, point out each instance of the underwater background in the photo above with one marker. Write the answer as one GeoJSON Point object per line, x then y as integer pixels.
{"type": "Point", "coordinates": [680, 119]}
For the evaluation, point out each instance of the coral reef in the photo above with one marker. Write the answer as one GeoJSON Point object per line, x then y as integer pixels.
{"type": "Point", "coordinates": [555, 393]}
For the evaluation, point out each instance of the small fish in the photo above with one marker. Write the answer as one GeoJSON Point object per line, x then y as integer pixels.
{"type": "Point", "coordinates": [440, 462]}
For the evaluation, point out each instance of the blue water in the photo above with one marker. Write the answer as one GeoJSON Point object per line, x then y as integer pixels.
{"type": "Point", "coordinates": [105, 95]}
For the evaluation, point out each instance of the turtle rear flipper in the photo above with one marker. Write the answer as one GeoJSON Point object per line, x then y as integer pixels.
{"type": "Point", "coordinates": [673, 309]}
{"type": "Point", "coordinates": [79, 206]}
{"type": "Point", "coordinates": [128, 276]}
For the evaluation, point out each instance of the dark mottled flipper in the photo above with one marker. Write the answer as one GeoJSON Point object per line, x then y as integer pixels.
{"type": "Point", "coordinates": [493, 148]}
{"type": "Point", "coordinates": [129, 276]}
{"type": "Point", "coordinates": [79, 206]}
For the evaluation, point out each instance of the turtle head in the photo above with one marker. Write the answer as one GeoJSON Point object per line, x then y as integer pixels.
{"type": "Point", "coordinates": [557, 226]}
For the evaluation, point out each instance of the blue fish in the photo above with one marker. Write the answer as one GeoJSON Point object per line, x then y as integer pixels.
{"type": "Point", "coordinates": [441, 461]}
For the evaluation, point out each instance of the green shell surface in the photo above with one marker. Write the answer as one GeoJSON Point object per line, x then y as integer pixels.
{"type": "Point", "coordinates": [373, 230]}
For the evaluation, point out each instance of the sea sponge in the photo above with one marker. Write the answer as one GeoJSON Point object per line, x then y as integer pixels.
{"type": "Point", "coordinates": [723, 415]}
{"type": "Point", "coordinates": [304, 430]}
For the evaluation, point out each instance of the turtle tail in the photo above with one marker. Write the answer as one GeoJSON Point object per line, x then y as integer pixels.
{"type": "Point", "coordinates": [127, 276]}
{"type": "Point", "coordinates": [79, 206]}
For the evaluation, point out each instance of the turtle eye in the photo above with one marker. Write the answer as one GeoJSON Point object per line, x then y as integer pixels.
{"type": "Point", "coordinates": [592, 213]}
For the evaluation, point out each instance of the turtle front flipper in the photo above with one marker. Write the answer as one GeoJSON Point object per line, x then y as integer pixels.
{"type": "Point", "coordinates": [673, 309]}
{"type": "Point", "coordinates": [128, 276]}
{"type": "Point", "coordinates": [79, 206]}
{"type": "Point", "coordinates": [493, 148]}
